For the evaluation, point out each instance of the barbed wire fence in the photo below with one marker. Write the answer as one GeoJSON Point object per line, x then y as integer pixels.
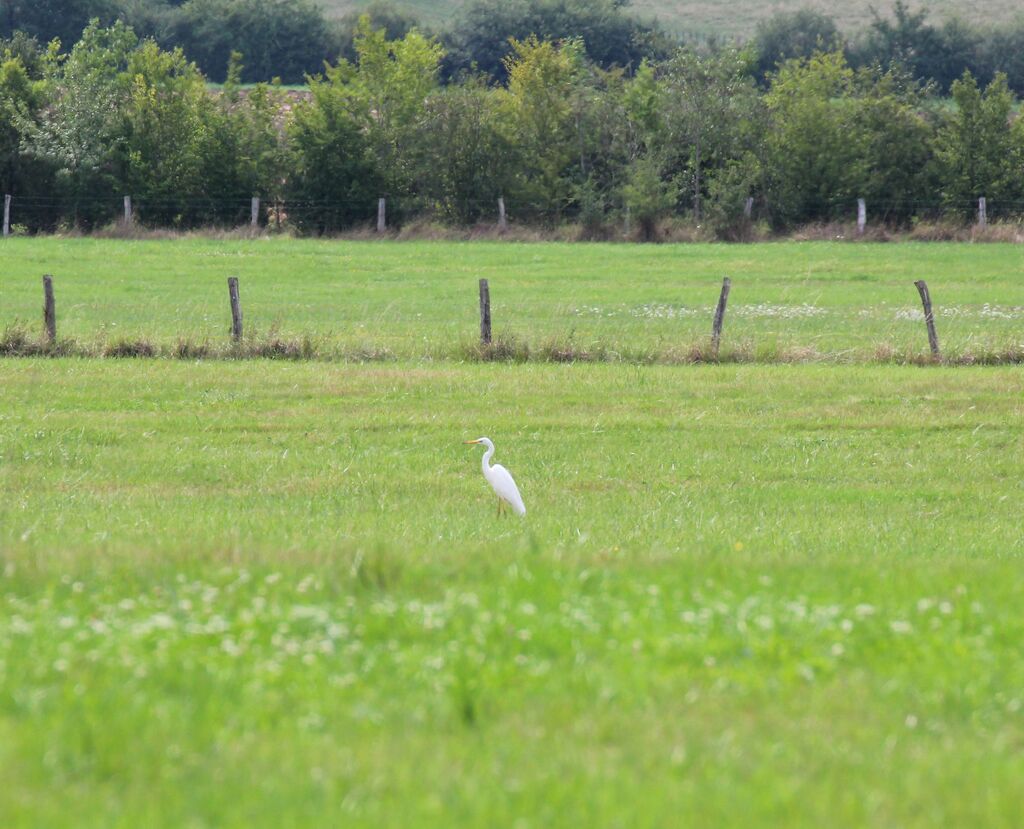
{"type": "Point", "coordinates": [25, 214]}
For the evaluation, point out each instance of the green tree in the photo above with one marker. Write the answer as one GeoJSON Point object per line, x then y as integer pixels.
{"type": "Point", "coordinates": [80, 134]}
{"type": "Point", "coordinates": [387, 92]}
{"type": "Point", "coordinates": [334, 179]}
{"type": "Point", "coordinates": [648, 195]}
{"type": "Point", "coordinates": [472, 160]}
{"type": "Point", "coordinates": [896, 161]}
{"type": "Point", "coordinates": [710, 108]}
{"type": "Point", "coordinates": [975, 147]}
{"type": "Point", "coordinates": [793, 35]}
{"type": "Point", "coordinates": [47, 20]}
{"type": "Point", "coordinates": [482, 37]}
{"type": "Point", "coordinates": [287, 39]}
{"type": "Point", "coordinates": [539, 102]}
{"type": "Point", "coordinates": [27, 179]}
{"type": "Point", "coordinates": [813, 150]}
{"type": "Point", "coordinates": [395, 21]}
{"type": "Point", "coordinates": [165, 117]}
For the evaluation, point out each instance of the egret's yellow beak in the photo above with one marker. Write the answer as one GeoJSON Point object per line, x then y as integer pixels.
{"type": "Point", "coordinates": [467, 442]}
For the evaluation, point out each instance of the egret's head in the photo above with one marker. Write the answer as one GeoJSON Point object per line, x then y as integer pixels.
{"type": "Point", "coordinates": [485, 441]}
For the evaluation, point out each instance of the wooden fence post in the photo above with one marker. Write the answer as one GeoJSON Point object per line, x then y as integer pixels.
{"type": "Point", "coordinates": [716, 328]}
{"type": "Point", "coordinates": [7, 215]}
{"type": "Point", "coordinates": [862, 216]}
{"type": "Point", "coordinates": [128, 216]}
{"type": "Point", "coordinates": [748, 208]}
{"type": "Point", "coordinates": [982, 213]}
{"type": "Point", "coordinates": [254, 212]}
{"type": "Point", "coordinates": [381, 215]}
{"type": "Point", "coordinates": [626, 232]}
{"type": "Point", "coordinates": [485, 312]}
{"type": "Point", "coordinates": [236, 309]}
{"type": "Point", "coordinates": [49, 310]}
{"type": "Point", "coordinates": [929, 318]}
{"type": "Point", "coordinates": [502, 218]}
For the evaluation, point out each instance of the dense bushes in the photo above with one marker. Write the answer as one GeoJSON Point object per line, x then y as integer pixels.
{"type": "Point", "coordinates": [692, 137]}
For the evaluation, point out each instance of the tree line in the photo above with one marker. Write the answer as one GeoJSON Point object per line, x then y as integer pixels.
{"type": "Point", "coordinates": [561, 137]}
{"type": "Point", "coordinates": [289, 39]}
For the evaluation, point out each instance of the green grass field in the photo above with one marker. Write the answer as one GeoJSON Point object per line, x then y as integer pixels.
{"type": "Point", "coordinates": [276, 594]}
{"type": "Point", "coordinates": [416, 300]}
{"type": "Point", "coordinates": [267, 593]}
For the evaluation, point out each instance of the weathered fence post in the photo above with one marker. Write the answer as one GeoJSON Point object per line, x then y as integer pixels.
{"type": "Point", "coordinates": [502, 218]}
{"type": "Point", "coordinates": [485, 312]}
{"type": "Point", "coordinates": [49, 310]}
{"type": "Point", "coordinates": [7, 215]}
{"type": "Point", "coordinates": [862, 216]}
{"type": "Point", "coordinates": [929, 318]}
{"type": "Point", "coordinates": [628, 228]}
{"type": "Point", "coordinates": [982, 213]}
{"type": "Point", "coordinates": [128, 216]}
{"type": "Point", "coordinates": [748, 208]}
{"type": "Point", "coordinates": [381, 215]}
{"type": "Point", "coordinates": [716, 328]}
{"type": "Point", "coordinates": [236, 309]}
{"type": "Point", "coordinates": [254, 212]}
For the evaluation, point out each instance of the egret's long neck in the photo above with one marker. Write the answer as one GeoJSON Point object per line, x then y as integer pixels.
{"type": "Point", "coordinates": [485, 461]}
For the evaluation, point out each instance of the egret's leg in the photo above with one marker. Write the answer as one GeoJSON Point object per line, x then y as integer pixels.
{"type": "Point", "coordinates": [499, 508]}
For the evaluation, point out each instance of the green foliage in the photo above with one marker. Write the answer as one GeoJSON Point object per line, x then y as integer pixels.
{"type": "Point", "coordinates": [975, 148]}
{"type": "Point", "coordinates": [396, 22]}
{"type": "Point", "coordinates": [896, 157]}
{"type": "Point", "coordinates": [814, 157]}
{"type": "Point", "coordinates": [385, 94]}
{"type": "Point", "coordinates": [80, 135]}
{"type": "Point", "coordinates": [27, 51]}
{"type": "Point", "coordinates": [284, 39]}
{"type": "Point", "coordinates": [47, 20]}
{"type": "Point", "coordinates": [21, 175]}
{"type": "Point", "coordinates": [909, 41]}
{"type": "Point", "coordinates": [711, 115]}
{"type": "Point", "coordinates": [564, 139]}
{"type": "Point", "coordinates": [482, 36]}
{"type": "Point", "coordinates": [792, 36]}
{"type": "Point", "coordinates": [729, 187]}
{"type": "Point", "coordinates": [335, 178]}
{"type": "Point", "coordinates": [648, 195]}
{"type": "Point", "coordinates": [165, 122]}
{"type": "Point", "coordinates": [479, 161]}
{"type": "Point", "coordinates": [542, 79]}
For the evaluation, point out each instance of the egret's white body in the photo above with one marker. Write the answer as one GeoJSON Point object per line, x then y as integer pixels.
{"type": "Point", "coordinates": [500, 480]}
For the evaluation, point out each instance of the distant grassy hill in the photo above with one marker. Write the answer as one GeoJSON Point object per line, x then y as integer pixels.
{"type": "Point", "coordinates": [736, 17]}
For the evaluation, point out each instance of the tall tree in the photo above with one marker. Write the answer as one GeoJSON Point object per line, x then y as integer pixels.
{"type": "Point", "coordinates": [710, 107]}
{"type": "Point", "coordinates": [81, 133]}
{"type": "Point", "coordinates": [813, 151]}
{"type": "Point", "coordinates": [975, 147]}
{"type": "Point", "coordinates": [542, 79]}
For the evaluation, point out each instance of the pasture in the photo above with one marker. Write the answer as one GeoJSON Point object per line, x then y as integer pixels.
{"type": "Point", "coordinates": [271, 593]}
{"type": "Point", "coordinates": [416, 300]}
{"type": "Point", "coordinates": [275, 594]}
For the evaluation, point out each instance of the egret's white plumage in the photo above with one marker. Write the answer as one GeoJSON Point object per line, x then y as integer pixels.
{"type": "Point", "coordinates": [500, 479]}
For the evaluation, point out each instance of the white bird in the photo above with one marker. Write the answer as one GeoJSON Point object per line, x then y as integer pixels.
{"type": "Point", "coordinates": [500, 480]}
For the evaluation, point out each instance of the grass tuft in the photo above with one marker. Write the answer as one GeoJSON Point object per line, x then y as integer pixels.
{"type": "Point", "coordinates": [125, 348]}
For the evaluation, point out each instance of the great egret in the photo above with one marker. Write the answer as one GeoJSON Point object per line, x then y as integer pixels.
{"type": "Point", "coordinates": [500, 480]}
